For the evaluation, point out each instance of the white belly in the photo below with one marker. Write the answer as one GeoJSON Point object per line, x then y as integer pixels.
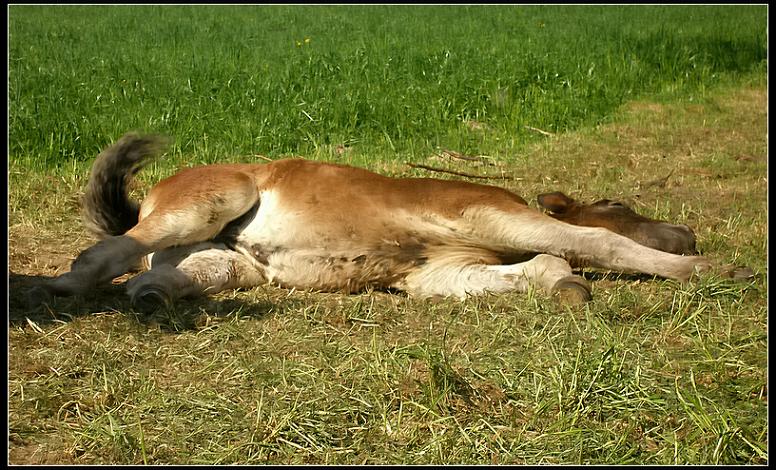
{"type": "Point", "coordinates": [292, 251]}
{"type": "Point", "coordinates": [354, 249]}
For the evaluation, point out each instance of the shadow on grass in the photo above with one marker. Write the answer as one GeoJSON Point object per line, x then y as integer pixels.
{"type": "Point", "coordinates": [594, 276]}
{"type": "Point", "coordinates": [728, 273]}
{"type": "Point", "coordinates": [187, 314]}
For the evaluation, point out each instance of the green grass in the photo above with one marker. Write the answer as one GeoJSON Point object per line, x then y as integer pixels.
{"type": "Point", "coordinates": [396, 80]}
{"type": "Point", "coordinates": [649, 372]}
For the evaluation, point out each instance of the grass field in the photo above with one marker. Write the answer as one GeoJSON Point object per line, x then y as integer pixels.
{"type": "Point", "coordinates": [398, 81]}
{"type": "Point", "coordinates": [664, 108]}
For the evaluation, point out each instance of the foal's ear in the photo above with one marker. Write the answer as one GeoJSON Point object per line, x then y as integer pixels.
{"type": "Point", "coordinates": [556, 202]}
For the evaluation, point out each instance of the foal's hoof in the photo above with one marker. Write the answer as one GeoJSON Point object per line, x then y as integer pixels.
{"type": "Point", "coordinates": [738, 273]}
{"type": "Point", "coordinates": [572, 290]}
{"type": "Point", "coordinates": [38, 296]}
{"type": "Point", "coordinates": [151, 299]}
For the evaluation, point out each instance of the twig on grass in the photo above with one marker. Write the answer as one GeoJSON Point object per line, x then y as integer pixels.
{"type": "Point", "coordinates": [452, 154]}
{"type": "Point", "coordinates": [660, 182]}
{"type": "Point", "coordinates": [549, 134]}
{"type": "Point", "coordinates": [640, 187]}
{"type": "Point", "coordinates": [460, 173]}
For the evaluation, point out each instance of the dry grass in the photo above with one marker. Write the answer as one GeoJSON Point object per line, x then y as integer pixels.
{"type": "Point", "coordinates": [650, 372]}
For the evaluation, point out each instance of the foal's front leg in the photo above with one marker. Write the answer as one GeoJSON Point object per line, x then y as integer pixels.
{"type": "Point", "coordinates": [204, 268]}
{"type": "Point", "coordinates": [525, 230]}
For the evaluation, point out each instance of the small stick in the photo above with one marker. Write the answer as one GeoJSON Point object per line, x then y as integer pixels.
{"type": "Point", "coordinates": [460, 173]}
{"type": "Point", "coordinates": [660, 182]}
{"type": "Point", "coordinates": [539, 131]}
{"type": "Point", "coordinates": [452, 154]}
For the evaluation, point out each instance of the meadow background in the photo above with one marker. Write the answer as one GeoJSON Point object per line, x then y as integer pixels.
{"type": "Point", "coordinates": [397, 80]}
{"type": "Point", "coordinates": [661, 106]}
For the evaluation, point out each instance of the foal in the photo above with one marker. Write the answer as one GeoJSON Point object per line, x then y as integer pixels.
{"type": "Point", "coordinates": [312, 225]}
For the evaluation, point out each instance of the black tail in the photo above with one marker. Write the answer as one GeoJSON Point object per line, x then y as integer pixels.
{"type": "Point", "coordinates": [107, 208]}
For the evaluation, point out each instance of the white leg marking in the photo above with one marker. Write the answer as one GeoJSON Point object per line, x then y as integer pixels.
{"type": "Point", "coordinates": [446, 277]}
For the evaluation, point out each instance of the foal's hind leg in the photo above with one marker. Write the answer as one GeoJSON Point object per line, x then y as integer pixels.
{"type": "Point", "coordinates": [443, 277]}
{"type": "Point", "coordinates": [190, 207]}
{"type": "Point", "coordinates": [205, 268]}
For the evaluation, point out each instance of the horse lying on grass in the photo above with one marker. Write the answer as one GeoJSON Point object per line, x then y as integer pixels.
{"type": "Point", "coordinates": [311, 225]}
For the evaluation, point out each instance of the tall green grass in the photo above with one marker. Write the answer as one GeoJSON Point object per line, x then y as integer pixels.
{"type": "Point", "coordinates": [398, 80]}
